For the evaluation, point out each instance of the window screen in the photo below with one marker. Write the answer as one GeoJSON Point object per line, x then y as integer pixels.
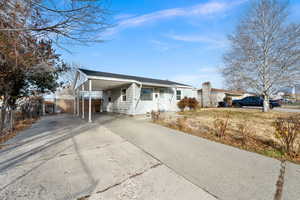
{"type": "Point", "coordinates": [146, 94]}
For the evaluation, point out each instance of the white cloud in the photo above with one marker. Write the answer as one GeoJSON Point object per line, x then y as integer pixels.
{"type": "Point", "coordinates": [140, 20]}
{"type": "Point", "coordinates": [202, 9]}
{"type": "Point", "coordinates": [123, 16]}
{"type": "Point", "coordinates": [214, 41]}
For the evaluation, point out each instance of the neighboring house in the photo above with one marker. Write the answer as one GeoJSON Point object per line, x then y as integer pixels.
{"type": "Point", "coordinates": [129, 94]}
{"type": "Point", "coordinates": [210, 97]}
{"type": "Point", "coordinates": [59, 102]}
{"type": "Point", "coordinates": [291, 94]}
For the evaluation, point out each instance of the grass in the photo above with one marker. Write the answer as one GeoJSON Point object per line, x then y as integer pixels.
{"type": "Point", "coordinates": [235, 113]}
{"type": "Point", "coordinates": [272, 153]}
{"type": "Point", "coordinates": [261, 139]}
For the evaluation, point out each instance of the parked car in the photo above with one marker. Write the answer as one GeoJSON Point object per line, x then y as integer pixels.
{"type": "Point", "coordinates": [254, 101]}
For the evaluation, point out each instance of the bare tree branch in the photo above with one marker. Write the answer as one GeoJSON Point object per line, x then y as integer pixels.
{"type": "Point", "coordinates": [265, 50]}
{"type": "Point", "coordinates": [79, 21]}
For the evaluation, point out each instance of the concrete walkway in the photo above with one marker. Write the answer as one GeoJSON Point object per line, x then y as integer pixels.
{"type": "Point", "coordinates": [62, 157]}
{"type": "Point", "coordinates": [287, 110]}
{"type": "Point", "coordinates": [225, 172]}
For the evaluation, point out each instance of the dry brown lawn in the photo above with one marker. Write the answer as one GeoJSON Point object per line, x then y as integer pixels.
{"type": "Point", "coordinates": [201, 123]}
{"type": "Point", "coordinates": [260, 122]}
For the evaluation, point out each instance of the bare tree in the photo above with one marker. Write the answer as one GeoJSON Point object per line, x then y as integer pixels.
{"type": "Point", "coordinates": [265, 50]}
{"type": "Point", "coordinates": [64, 20]}
{"type": "Point", "coordinates": [67, 78]}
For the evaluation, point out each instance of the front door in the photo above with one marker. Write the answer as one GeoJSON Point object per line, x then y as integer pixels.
{"type": "Point", "coordinates": [159, 99]}
{"type": "Point", "coordinates": [156, 99]}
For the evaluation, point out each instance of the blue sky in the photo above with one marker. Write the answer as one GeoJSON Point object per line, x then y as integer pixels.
{"type": "Point", "coordinates": [179, 40]}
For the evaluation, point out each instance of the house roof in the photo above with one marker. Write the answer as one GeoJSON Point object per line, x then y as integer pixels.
{"type": "Point", "coordinates": [135, 78]}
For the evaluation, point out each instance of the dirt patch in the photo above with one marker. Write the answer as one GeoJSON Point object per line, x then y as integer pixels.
{"type": "Point", "coordinates": [256, 124]}
{"type": "Point", "coordinates": [19, 126]}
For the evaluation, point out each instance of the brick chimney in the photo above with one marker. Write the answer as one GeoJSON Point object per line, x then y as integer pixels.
{"type": "Point", "coordinates": [206, 94]}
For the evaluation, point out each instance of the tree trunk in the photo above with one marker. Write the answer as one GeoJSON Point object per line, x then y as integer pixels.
{"type": "Point", "coordinates": [11, 120]}
{"type": "Point", "coordinates": [3, 116]}
{"type": "Point", "coordinates": [266, 104]}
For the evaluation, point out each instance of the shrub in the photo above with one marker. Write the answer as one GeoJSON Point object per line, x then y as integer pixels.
{"type": "Point", "coordinates": [221, 126]}
{"type": "Point", "coordinates": [155, 116]}
{"type": "Point", "coordinates": [192, 103]}
{"type": "Point", "coordinates": [183, 103]}
{"type": "Point", "coordinates": [244, 130]}
{"type": "Point", "coordinates": [287, 130]}
{"type": "Point", "coordinates": [181, 123]}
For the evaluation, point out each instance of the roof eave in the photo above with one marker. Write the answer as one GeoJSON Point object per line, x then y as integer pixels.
{"type": "Point", "coordinates": [133, 81]}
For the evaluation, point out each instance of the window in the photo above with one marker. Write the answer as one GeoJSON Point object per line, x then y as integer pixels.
{"type": "Point", "coordinates": [123, 94]}
{"type": "Point", "coordinates": [178, 94]}
{"type": "Point", "coordinates": [146, 94]}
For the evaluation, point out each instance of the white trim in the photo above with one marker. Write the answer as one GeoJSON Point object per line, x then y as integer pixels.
{"type": "Point", "coordinates": [83, 101]}
{"type": "Point", "coordinates": [139, 97]}
{"type": "Point", "coordinates": [77, 94]}
{"type": "Point", "coordinates": [85, 78]}
{"type": "Point", "coordinates": [165, 85]}
{"type": "Point", "coordinates": [75, 80]}
{"type": "Point", "coordinates": [111, 79]}
{"type": "Point", "coordinates": [133, 81]}
{"type": "Point", "coordinates": [74, 93]}
{"type": "Point", "coordinates": [178, 95]}
{"type": "Point", "coordinates": [90, 101]}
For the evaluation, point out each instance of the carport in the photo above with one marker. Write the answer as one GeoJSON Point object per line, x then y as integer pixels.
{"type": "Point", "coordinates": [91, 86]}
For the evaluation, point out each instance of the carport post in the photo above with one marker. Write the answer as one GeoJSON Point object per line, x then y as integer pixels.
{"type": "Point", "coordinates": [77, 102]}
{"type": "Point", "coordinates": [74, 103]}
{"type": "Point", "coordinates": [82, 101]}
{"type": "Point", "coordinates": [90, 100]}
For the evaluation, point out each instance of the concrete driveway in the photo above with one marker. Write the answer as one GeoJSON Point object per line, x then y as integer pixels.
{"type": "Point", "coordinates": [226, 172]}
{"type": "Point", "coordinates": [62, 157]}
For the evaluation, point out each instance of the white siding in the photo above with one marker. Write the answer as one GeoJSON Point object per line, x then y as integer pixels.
{"type": "Point", "coordinates": [165, 102]}
{"type": "Point", "coordinates": [116, 104]}
{"type": "Point", "coordinates": [133, 105]}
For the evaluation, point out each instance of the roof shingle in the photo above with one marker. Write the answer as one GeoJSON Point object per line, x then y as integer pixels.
{"type": "Point", "coordinates": [136, 78]}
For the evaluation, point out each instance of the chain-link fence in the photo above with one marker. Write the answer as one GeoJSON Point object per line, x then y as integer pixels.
{"type": "Point", "coordinates": [25, 112]}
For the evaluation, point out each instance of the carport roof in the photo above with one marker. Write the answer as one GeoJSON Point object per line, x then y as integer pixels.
{"type": "Point", "coordinates": [128, 77]}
